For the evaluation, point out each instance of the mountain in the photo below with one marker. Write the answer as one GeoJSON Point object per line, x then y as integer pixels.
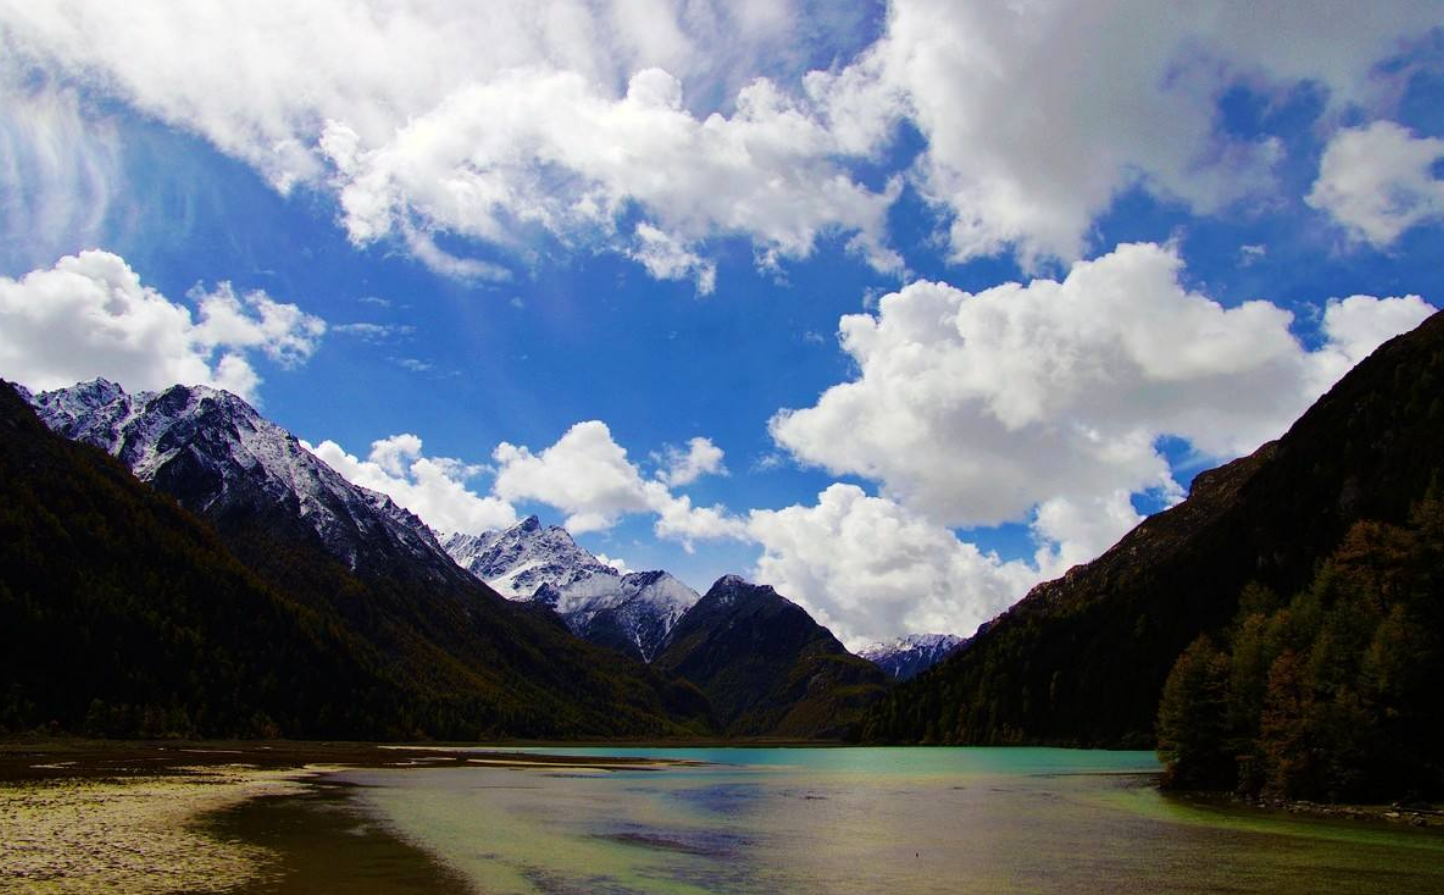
{"type": "Point", "coordinates": [518, 560]}
{"type": "Point", "coordinates": [632, 613]}
{"type": "Point", "coordinates": [464, 661]}
{"type": "Point", "coordinates": [910, 655]}
{"type": "Point", "coordinates": [638, 618]}
{"type": "Point", "coordinates": [122, 614]}
{"type": "Point", "coordinates": [767, 667]}
{"type": "Point", "coordinates": [1082, 660]}
{"type": "Point", "coordinates": [218, 457]}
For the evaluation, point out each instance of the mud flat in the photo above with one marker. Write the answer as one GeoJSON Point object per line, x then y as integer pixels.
{"type": "Point", "coordinates": [136, 834]}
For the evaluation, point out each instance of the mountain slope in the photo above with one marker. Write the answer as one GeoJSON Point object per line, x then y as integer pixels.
{"type": "Point", "coordinates": [518, 560]}
{"type": "Point", "coordinates": [218, 457]}
{"type": "Point", "coordinates": [122, 614]}
{"type": "Point", "coordinates": [1082, 660]}
{"type": "Point", "coordinates": [469, 662]}
{"type": "Point", "coordinates": [909, 656]}
{"type": "Point", "coordinates": [767, 667]}
{"type": "Point", "coordinates": [631, 614]}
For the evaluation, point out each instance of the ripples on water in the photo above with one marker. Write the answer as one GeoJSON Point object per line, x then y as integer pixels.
{"type": "Point", "coordinates": [955, 821]}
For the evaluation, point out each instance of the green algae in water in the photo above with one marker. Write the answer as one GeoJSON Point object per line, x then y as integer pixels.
{"type": "Point", "coordinates": [875, 820]}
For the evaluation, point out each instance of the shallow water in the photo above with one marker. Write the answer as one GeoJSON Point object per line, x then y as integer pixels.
{"type": "Point", "coordinates": [876, 820]}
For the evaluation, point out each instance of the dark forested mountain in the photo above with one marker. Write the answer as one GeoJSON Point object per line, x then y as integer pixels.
{"type": "Point", "coordinates": [1332, 694]}
{"type": "Point", "coordinates": [302, 605]}
{"type": "Point", "coordinates": [1083, 659]}
{"type": "Point", "coordinates": [767, 667]}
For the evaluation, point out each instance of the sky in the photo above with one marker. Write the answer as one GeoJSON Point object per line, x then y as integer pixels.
{"type": "Point", "coordinates": [899, 307]}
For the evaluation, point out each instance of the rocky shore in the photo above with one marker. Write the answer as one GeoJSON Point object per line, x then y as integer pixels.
{"type": "Point", "coordinates": [1411, 813]}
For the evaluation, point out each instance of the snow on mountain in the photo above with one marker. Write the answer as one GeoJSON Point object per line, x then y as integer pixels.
{"type": "Point", "coordinates": [520, 559]}
{"type": "Point", "coordinates": [215, 454]}
{"type": "Point", "coordinates": [633, 613]}
{"type": "Point", "coordinates": [911, 655]}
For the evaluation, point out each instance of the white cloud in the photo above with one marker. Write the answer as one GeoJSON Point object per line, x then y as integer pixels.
{"type": "Point", "coordinates": [587, 475]}
{"type": "Point", "coordinates": [495, 121]}
{"type": "Point", "coordinates": [490, 121]}
{"type": "Point", "coordinates": [434, 488]}
{"type": "Point", "coordinates": [871, 570]}
{"type": "Point", "coordinates": [1038, 403]}
{"type": "Point", "coordinates": [1378, 181]}
{"type": "Point", "coordinates": [1355, 326]}
{"type": "Point", "coordinates": [1036, 115]}
{"type": "Point", "coordinates": [90, 316]}
{"type": "Point", "coordinates": [678, 520]}
{"type": "Point", "coordinates": [668, 259]}
{"type": "Point", "coordinates": [701, 457]}
{"type": "Point", "coordinates": [615, 562]}
{"type": "Point", "coordinates": [975, 409]}
{"type": "Point", "coordinates": [373, 332]}
{"type": "Point", "coordinates": [60, 171]}
{"type": "Point", "coordinates": [545, 149]}
{"type": "Point", "coordinates": [286, 334]}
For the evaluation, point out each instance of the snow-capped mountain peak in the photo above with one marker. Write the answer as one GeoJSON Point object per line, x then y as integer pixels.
{"type": "Point", "coordinates": [529, 561]}
{"type": "Point", "coordinates": [518, 560]}
{"type": "Point", "coordinates": [912, 654]}
{"type": "Point", "coordinates": [215, 454]}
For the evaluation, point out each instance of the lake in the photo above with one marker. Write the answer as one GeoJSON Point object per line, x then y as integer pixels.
{"type": "Point", "coordinates": [852, 820]}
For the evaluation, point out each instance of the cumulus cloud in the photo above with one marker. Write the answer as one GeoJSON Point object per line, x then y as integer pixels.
{"type": "Point", "coordinates": [1378, 181]}
{"type": "Point", "coordinates": [496, 121]}
{"type": "Point", "coordinates": [1040, 403]}
{"type": "Point", "coordinates": [585, 474]}
{"type": "Point", "coordinates": [615, 562]}
{"type": "Point", "coordinates": [434, 488]}
{"type": "Point", "coordinates": [683, 467]}
{"type": "Point", "coordinates": [668, 259]}
{"type": "Point", "coordinates": [477, 164]}
{"type": "Point", "coordinates": [588, 476]}
{"type": "Point", "coordinates": [975, 409]}
{"type": "Point", "coordinates": [90, 315]}
{"type": "Point", "coordinates": [492, 121]}
{"type": "Point", "coordinates": [870, 569]}
{"type": "Point", "coordinates": [1126, 92]}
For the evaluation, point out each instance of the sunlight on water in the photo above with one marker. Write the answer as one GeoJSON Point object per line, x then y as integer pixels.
{"type": "Point", "coordinates": [876, 820]}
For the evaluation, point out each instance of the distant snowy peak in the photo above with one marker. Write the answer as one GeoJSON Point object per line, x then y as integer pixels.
{"type": "Point", "coordinates": [518, 560]}
{"type": "Point", "coordinates": [213, 452]}
{"type": "Point", "coordinates": [632, 613]}
{"type": "Point", "coordinates": [911, 655]}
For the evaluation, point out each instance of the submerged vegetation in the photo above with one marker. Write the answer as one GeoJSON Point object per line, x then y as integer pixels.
{"type": "Point", "coordinates": [1332, 694]}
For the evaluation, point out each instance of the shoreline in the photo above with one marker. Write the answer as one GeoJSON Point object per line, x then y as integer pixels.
{"type": "Point", "coordinates": [138, 833]}
{"type": "Point", "coordinates": [150, 818]}
{"type": "Point", "coordinates": [107, 759]}
{"type": "Point", "coordinates": [1417, 816]}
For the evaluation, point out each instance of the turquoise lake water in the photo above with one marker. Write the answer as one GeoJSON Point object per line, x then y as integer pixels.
{"type": "Point", "coordinates": [875, 820]}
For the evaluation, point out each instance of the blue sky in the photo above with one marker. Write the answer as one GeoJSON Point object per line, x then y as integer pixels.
{"type": "Point", "coordinates": [509, 229]}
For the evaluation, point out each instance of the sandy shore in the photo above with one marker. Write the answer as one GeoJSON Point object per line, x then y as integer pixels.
{"type": "Point", "coordinates": [135, 834]}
